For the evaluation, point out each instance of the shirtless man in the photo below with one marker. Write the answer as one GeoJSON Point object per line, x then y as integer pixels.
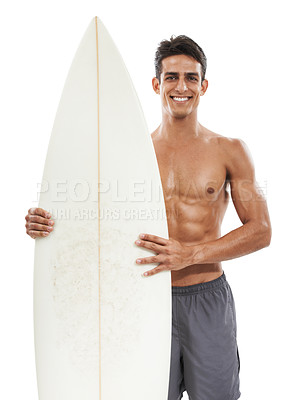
{"type": "Point", "coordinates": [196, 167]}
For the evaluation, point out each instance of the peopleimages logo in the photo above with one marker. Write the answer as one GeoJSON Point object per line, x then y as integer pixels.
{"type": "Point", "coordinates": [149, 191]}
{"type": "Point", "coordinates": [138, 199]}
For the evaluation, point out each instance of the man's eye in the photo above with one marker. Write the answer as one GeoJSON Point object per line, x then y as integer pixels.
{"type": "Point", "coordinates": [170, 77]}
{"type": "Point", "coordinates": [192, 78]}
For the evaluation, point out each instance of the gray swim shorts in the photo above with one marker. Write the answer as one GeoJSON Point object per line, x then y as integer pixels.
{"type": "Point", "coordinates": [204, 353]}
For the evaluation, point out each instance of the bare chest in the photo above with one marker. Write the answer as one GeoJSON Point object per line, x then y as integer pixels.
{"type": "Point", "coordinates": [191, 173]}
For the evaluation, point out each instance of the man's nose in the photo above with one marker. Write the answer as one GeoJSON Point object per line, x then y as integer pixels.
{"type": "Point", "coordinates": [181, 85]}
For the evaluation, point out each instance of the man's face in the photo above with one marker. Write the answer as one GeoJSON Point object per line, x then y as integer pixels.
{"type": "Point", "coordinates": [180, 87]}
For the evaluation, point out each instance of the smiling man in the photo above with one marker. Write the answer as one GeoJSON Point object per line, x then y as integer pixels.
{"type": "Point", "coordinates": [197, 166]}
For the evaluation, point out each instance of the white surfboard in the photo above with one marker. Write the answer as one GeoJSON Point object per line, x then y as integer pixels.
{"type": "Point", "coordinates": [102, 331]}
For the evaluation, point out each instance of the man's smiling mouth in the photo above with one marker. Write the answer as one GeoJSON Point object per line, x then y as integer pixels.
{"type": "Point", "coordinates": [180, 99]}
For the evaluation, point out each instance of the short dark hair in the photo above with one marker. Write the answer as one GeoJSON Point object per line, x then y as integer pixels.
{"type": "Point", "coordinates": [179, 45]}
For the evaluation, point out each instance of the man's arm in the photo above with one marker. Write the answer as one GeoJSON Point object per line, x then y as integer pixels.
{"type": "Point", "coordinates": [251, 207]}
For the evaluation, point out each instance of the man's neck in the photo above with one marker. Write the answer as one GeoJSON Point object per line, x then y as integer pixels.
{"type": "Point", "coordinates": [178, 129]}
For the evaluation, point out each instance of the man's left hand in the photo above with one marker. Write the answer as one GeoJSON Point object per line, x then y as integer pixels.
{"type": "Point", "coordinates": [170, 254]}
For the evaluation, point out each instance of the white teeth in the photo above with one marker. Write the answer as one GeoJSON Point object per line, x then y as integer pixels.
{"type": "Point", "coordinates": [180, 98]}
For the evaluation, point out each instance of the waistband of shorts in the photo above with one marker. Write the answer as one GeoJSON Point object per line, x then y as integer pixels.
{"type": "Point", "coordinates": [200, 287]}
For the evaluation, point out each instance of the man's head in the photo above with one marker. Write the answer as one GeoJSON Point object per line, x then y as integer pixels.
{"type": "Point", "coordinates": [180, 66]}
{"type": "Point", "coordinates": [175, 46]}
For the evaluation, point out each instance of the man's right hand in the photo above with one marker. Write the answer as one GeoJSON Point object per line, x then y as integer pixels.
{"type": "Point", "coordinates": [38, 223]}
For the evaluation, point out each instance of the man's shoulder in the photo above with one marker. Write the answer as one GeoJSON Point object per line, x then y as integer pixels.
{"type": "Point", "coordinates": [226, 141]}
{"type": "Point", "coordinates": [234, 147]}
{"type": "Point", "coordinates": [237, 156]}
{"type": "Point", "coordinates": [233, 151]}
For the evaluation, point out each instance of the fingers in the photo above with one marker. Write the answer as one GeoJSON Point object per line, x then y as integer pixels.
{"type": "Point", "coordinates": [35, 234]}
{"type": "Point", "coordinates": [35, 230]}
{"type": "Point", "coordinates": [38, 227]}
{"type": "Point", "coordinates": [148, 260]}
{"type": "Point", "coordinates": [153, 238]}
{"type": "Point", "coordinates": [153, 259]}
{"type": "Point", "coordinates": [155, 270]}
{"type": "Point", "coordinates": [149, 245]}
{"type": "Point", "coordinates": [38, 222]}
{"type": "Point", "coordinates": [39, 211]}
{"type": "Point", "coordinates": [156, 244]}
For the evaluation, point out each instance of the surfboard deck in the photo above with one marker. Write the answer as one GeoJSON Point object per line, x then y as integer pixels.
{"type": "Point", "coordinates": [102, 331]}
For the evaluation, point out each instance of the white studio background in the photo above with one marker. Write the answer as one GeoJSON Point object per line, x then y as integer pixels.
{"type": "Point", "coordinates": [253, 94]}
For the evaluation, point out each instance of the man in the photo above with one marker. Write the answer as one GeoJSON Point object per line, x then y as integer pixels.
{"type": "Point", "coordinates": [196, 167]}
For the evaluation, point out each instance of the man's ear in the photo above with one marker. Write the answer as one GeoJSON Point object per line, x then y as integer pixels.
{"type": "Point", "coordinates": [204, 86]}
{"type": "Point", "coordinates": [155, 85]}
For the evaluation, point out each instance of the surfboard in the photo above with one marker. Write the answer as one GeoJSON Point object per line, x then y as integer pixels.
{"type": "Point", "coordinates": [102, 330]}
